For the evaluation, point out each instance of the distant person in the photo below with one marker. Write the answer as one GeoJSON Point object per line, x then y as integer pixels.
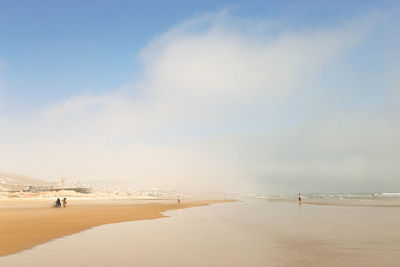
{"type": "Point", "coordinates": [64, 202]}
{"type": "Point", "coordinates": [299, 197]}
{"type": "Point", "coordinates": [58, 203]}
{"type": "Point", "coordinates": [373, 195]}
{"type": "Point", "coordinates": [179, 199]}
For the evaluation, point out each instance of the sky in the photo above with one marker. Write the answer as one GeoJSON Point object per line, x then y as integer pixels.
{"type": "Point", "coordinates": [249, 96]}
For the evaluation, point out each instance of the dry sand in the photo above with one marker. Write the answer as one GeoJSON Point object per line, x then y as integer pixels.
{"type": "Point", "coordinates": [27, 223]}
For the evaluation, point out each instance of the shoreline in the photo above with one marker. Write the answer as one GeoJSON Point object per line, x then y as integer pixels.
{"type": "Point", "coordinates": [25, 224]}
{"type": "Point", "coordinates": [362, 203]}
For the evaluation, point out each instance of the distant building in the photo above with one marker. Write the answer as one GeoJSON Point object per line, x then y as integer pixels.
{"type": "Point", "coordinates": [44, 188]}
{"type": "Point", "coordinates": [40, 188]}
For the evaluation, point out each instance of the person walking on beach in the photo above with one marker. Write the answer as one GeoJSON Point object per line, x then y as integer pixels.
{"type": "Point", "coordinates": [373, 195]}
{"type": "Point", "coordinates": [64, 202]}
{"type": "Point", "coordinates": [179, 199]}
{"type": "Point", "coordinates": [58, 203]}
{"type": "Point", "coordinates": [299, 197]}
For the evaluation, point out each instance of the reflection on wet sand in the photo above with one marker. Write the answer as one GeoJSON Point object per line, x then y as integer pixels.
{"type": "Point", "coordinates": [245, 233]}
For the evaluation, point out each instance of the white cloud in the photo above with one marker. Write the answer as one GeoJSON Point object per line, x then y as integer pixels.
{"type": "Point", "coordinates": [207, 114]}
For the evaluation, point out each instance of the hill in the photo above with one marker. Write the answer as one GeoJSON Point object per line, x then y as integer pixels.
{"type": "Point", "coordinates": [15, 182]}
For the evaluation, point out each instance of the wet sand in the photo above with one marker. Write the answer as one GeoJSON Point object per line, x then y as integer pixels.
{"type": "Point", "coordinates": [244, 233]}
{"type": "Point", "coordinates": [336, 232]}
{"type": "Point", "coordinates": [27, 223]}
{"type": "Point", "coordinates": [368, 203]}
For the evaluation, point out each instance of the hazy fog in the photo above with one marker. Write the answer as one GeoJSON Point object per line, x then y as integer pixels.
{"type": "Point", "coordinates": [223, 103]}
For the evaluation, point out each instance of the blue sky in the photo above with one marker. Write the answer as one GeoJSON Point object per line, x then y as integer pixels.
{"type": "Point", "coordinates": [272, 95]}
{"type": "Point", "coordinates": [54, 49]}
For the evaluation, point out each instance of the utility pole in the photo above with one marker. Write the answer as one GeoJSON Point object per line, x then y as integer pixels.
{"type": "Point", "coordinates": [62, 182]}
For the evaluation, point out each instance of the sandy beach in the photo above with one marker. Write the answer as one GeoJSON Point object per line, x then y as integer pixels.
{"type": "Point", "coordinates": [26, 223]}
{"type": "Point", "coordinates": [366, 203]}
{"type": "Point", "coordinates": [249, 232]}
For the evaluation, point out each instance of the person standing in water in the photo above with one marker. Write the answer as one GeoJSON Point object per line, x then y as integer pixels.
{"type": "Point", "coordinates": [299, 197]}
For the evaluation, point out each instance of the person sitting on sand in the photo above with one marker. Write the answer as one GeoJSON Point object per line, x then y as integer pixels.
{"type": "Point", "coordinates": [65, 202]}
{"type": "Point", "coordinates": [299, 197]}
